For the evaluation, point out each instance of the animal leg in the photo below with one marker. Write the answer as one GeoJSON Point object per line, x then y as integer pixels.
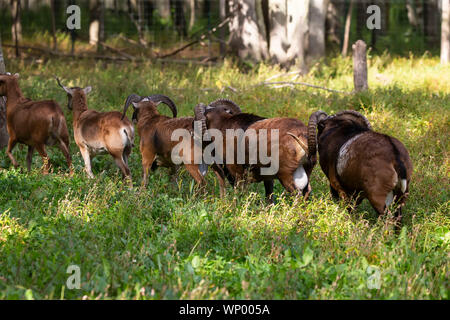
{"type": "Point", "coordinates": [65, 150]}
{"type": "Point", "coordinates": [41, 149]}
{"type": "Point", "coordinates": [87, 161]}
{"type": "Point", "coordinates": [195, 173]}
{"type": "Point", "coordinates": [148, 157]}
{"type": "Point", "coordinates": [123, 167]}
{"type": "Point", "coordinates": [268, 187]}
{"type": "Point", "coordinates": [11, 145]}
{"type": "Point", "coordinates": [29, 157]}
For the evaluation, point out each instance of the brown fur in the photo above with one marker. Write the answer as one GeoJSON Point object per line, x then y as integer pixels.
{"type": "Point", "coordinates": [155, 131]}
{"type": "Point", "coordinates": [33, 123]}
{"type": "Point", "coordinates": [100, 132]}
{"type": "Point", "coordinates": [376, 162]}
{"type": "Point", "coordinates": [291, 156]}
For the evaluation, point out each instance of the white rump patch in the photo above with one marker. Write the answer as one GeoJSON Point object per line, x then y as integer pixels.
{"type": "Point", "coordinates": [300, 178]}
{"type": "Point", "coordinates": [389, 199]}
{"type": "Point", "coordinates": [203, 168]}
{"type": "Point", "coordinates": [344, 155]}
{"type": "Point", "coordinates": [403, 185]}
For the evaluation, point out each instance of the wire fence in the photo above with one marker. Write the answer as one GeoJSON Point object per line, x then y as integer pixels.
{"type": "Point", "coordinates": [164, 25]}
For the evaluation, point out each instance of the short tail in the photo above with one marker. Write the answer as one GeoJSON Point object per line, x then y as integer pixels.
{"type": "Point", "coordinates": [400, 168]}
{"type": "Point", "coordinates": [129, 133]}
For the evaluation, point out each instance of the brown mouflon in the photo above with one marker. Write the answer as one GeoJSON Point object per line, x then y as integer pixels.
{"type": "Point", "coordinates": [359, 162]}
{"type": "Point", "coordinates": [33, 123]}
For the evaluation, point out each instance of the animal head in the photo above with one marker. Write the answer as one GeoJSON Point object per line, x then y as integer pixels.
{"type": "Point", "coordinates": [74, 91]}
{"type": "Point", "coordinates": [148, 103]}
{"type": "Point", "coordinates": [320, 123]}
{"type": "Point", "coordinates": [6, 80]}
{"type": "Point", "coordinates": [213, 115]}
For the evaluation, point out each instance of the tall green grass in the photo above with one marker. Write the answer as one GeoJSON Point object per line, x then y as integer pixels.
{"type": "Point", "coordinates": [169, 241]}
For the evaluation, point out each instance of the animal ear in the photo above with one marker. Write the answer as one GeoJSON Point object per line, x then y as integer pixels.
{"type": "Point", "coordinates": [16, 75]}
{"type": "Point", "coordinates": [135, 105]}
{"type": "Point", "coordinates": [87, 90]}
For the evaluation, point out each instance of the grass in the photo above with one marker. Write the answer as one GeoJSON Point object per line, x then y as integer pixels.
{"type": "Point", "coordinates": [168, 242]}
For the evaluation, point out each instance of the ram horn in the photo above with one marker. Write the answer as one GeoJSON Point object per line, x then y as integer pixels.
{"type": "Point", "coordinates": [356, 114]}
{"type": "Point", "coordinates": [199, 115]}
{"type": "Point", "coordinates": [131, 98]}
{"type": "Point", "coordinates": [65, 88]}
{"type": "Point", "coordinates": [312, 132]}
{"type": "Point", "coordinates": [157, 98]}
{"type": "Point", "coordinates": [228, 103]}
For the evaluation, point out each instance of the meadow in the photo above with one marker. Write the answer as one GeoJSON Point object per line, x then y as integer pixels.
{"type": "Point", "coordinates": [171, 242]}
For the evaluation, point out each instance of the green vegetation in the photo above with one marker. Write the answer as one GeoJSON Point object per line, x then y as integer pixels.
{"type": "Point", "coordinates": [169, 241]}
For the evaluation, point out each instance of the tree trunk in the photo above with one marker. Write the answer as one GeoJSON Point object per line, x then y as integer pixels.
{"type": "Point", "coordinates": [360, 66]}
{"type": "Point", "coordinates": [317, 17]}
{"type": "Point", "coordinates": [248, 39]}
{"type": "Point", "coordinates": [288, 32]}
{"type": "Point", "coordinates": [360, 18]}
{"type": "Point", "coordinates": [4, 137]}
{"type": "Point", "coordinates": [333, 21]}
{"type": "Point", "coordinates": [348, 21]}
{"type": "Point", "coordinates": [138, 6]}
{"type": "Point", "coordinates": [16, 28]}
{"type": "Point", "coordinates": [163, 8]}
{"type": "Point", "coordinates": [178, 17]}
{"type": "Point", "coordinates": [431, 21]}
{"type": "Point", "coordinates": [53, 14]}
{"type": "Point", "coordinates": [191, 5]}
{"type": "Point", "coordinates": [222, 13]}
{"type": "Point", "coordinates": [412, 14]}
{"type": "Point", "coordinates": [445, 32]}
{"type": "Point", "coordinates": [94, 22]}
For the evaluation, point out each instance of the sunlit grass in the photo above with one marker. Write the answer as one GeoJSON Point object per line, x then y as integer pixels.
{"type": "Point", "coordinates": [168, 241]}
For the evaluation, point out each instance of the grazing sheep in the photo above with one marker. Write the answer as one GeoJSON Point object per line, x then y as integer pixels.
{"type": "Point", "coordinates": [33, 123]}
{"type": "Point", "coordinates": [295, 165]}
{"type": "Point", "coordinates": [99, 132]}
{"type": "Point", "coordinates": [359, 162]}
{"type": "Point", "coordinates": [156, 131]}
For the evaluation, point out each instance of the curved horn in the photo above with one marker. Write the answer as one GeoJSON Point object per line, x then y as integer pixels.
{"type": "Point", "coordinates": [65, 88]}
{"type": "Point", "coordinates": [312, 131]}
{"type": "Point", "coordinates": [230, 104]}
{"type": "Point", "coordinates": [199, 112]}
{"type": "Point", "coordinates": [299, 141]}
{"type": "Point", "coordinates": [131, 98]}
{"type": "Point", "coordinates": [166, 100]}
{"type": "Point", "coordinates": [356, 114]}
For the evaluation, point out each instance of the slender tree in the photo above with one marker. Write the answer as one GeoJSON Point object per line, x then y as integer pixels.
{"type": "Point", "coordinates": [317, 17]}
{"type": "Point", "coordinates": [248, 38]}
{"type": "Point", "coordinates": [179, 17]}
{"type": "Point", "coordinates": [288, 32]}
{"type": "Point", "coordinates": [412, 14]}
{"type": "Point", "coordinates": [53, 14]}
{"type": "Point", "coordinates": [222, 13]}
{"type": "Point", "coordinates": [17, 25]}
{"type": "Point", "coordinates": [445, 32]}
{"type": "Point", "coordinates": [3, 131]}
{"type": "Point", "coordinates": [431, 21]}
{"type": "Point", "coordinates": [163, 8]}
{"type": "Point", "coordinates": [348, 21]}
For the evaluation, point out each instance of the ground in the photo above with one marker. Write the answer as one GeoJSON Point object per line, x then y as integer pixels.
{"type": "Point", "coordinates": [168, 241]}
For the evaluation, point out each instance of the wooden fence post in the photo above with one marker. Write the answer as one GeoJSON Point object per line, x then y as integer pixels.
{"type": "Point", "coordinates": [360, 66]}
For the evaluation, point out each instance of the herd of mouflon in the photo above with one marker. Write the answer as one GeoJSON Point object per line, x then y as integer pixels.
{"type": "Point", "coordinates": [358, 162]}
